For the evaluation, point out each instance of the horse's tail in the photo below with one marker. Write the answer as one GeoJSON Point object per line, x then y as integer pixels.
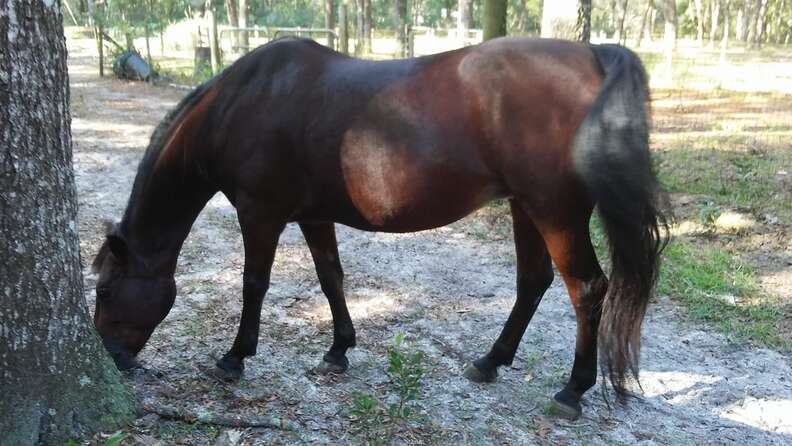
{"type": "Point", "coordinates": [611, 155]}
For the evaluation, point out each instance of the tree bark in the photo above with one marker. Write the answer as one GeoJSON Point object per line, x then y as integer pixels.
{"type": "Point", "coordinates": [330, 21]}
{"type": "Point", "coordinates": [464, 16]}
{"type": "Point", "coordinates": [56, 381]}
{"type": "Point", "coordinates": [494, 18]}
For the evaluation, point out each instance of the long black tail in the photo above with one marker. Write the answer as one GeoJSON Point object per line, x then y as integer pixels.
{"type": "Point", "coordinates": [612, 156]}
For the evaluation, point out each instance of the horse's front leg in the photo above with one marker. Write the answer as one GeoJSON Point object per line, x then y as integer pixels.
{"type": "Point", "coordinates": [321, 240]}
{"type": "Point", "coordinates": [261, 240]}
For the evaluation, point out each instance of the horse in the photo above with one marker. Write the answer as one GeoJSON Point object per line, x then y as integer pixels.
{"type": "Point", "coordinates": [296, 132]}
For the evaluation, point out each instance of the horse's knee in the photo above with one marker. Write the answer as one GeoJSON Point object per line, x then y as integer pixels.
{"type": "Point", "coordinates": [535, 282]}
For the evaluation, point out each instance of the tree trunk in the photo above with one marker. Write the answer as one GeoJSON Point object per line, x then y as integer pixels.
{"type": "Point", "coordinates": [244, 41]}
{"type": "Point", "coordinates": [699, 22]}
{"type": "Point", "coordinates": [559, 19]}
{"type": "Point", "coordinates": [647, 16]}
{"type": "Point", "coordinates": [779, 20]}
{"type": "Point", "coordinates": [494, 18]}
{"type": "Point", "coordinates": [464, 16]}
{"type": "Point", "coordinates": [715, 21]}
{"type": "Point", "coordinates": [725, 38]}
{"type": "Point", "coordinates": [343, 27]}
{"type": "Point", "coordinates": [56, 381]}
{"type": "Point", "coordinates": [233, 21]}
{"type": "Point", "coordinates": [622, 37]}
{"type": "Point", "coordinates": [739, 24]}
{"type": "Point", "coordinates": [402, 34]}
{"type": "Point", "coordinates": [670, 17]}
{"type": "Point", "coordinates": [584, 21]}
{"type": "Point", "coordinates": [330, 21]}
{"type": "Point", "coordinates": [762, 24]}
{"type": "Point", "coordinates": [365, 11]}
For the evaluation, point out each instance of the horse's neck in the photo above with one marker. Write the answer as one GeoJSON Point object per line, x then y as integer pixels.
{"type": "Point", "coordinates": [164, 204]}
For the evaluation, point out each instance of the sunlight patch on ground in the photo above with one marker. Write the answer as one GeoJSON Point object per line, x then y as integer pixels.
{"type": "Point", "coordinates": [770, 415]}
{"type": "Point", "coordinates": [676, 387]}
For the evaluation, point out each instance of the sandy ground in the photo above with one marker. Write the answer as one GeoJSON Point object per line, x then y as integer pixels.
{"type": "Point", "coordinates": [449, 290]}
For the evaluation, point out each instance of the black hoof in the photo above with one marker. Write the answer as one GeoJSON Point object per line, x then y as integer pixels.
{"type": "Point", "coordinates": [332, 365]}
{"type": "Point", "coordinates": [228, 369]}
{"type": "Point", "coordinates": [478, 375]}
{"type": "Point", "coordinates": [566, 405]}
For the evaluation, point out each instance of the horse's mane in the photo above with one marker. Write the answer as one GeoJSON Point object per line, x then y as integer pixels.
{"type": "Point", "coordinates": [157, 144]}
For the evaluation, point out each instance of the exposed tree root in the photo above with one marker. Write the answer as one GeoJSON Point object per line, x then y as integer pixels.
{"type": "Point", "coordinates": [205, 417]}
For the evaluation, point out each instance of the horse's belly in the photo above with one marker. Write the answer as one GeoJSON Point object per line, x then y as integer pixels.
{"type": "Point", "coordinates": [396, 188]}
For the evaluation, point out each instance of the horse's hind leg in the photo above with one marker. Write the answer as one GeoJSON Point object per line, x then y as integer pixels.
{"type": "Point", "coordinates": [321, 240]}
{"type": "Point", "coordinates": [571, 249]}
{"type": "Point", "coordinates": [534, 276]}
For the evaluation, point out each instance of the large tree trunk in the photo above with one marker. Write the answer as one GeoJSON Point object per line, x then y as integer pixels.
{"type": "Point", "coordinates": [56, 380]}
{"type": "Point", "coordinates": [670, 17]}
{"type": "Point", "coordinates": [559, 19]}
{"type": "Point", "coordinates": [367, 28]}
{"type": "Point", "coordinates": [494, 18]}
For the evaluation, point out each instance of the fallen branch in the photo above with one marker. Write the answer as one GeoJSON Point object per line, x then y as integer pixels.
{"type": "Point", "coordinates": [205, 417]}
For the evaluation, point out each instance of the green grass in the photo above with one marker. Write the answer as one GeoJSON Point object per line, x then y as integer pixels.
{"type": "Point", "coordinates": [731, 179]}
{"type": "Point", "coordinates": [716, 287]}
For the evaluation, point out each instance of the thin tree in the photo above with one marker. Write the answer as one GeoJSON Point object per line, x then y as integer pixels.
{"type": "Point", "coordinates": [330, 21]}
{"type": "Point", "coordinates": [699, 22]}
{"type": "Point", "coordinates": [494, 18]}
{"type": "Point", "coordinates": [670, 17]}
{"type": "Point", "coordinates": [56, 380]}
{"type": "Point", "coordinates": [715, 16]}
{"type": "Point", "coordinates": [464, 17]}
{"type": "Point", "coordinates": [584, 21]}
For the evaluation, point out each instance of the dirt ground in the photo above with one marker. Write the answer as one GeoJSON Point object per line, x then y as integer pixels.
{"type": "Point", "coordinates": [448, 290]}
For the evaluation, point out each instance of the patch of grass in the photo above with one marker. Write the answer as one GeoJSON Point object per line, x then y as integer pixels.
{"type": "Point", "coordinates": [731, 178]}
{"type": "Point", "coordinates": [719, 289]}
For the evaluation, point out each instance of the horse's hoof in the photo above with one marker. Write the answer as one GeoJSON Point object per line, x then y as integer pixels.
{"type": "Point", "coordinates": [565, 406]}
{"type": "Point", "coordinates": [477, 375]}
{"type": "Point", "coordinates": [332, 365]}
{"type": "Point", "coordinates": [226, 370]}
{"type": "Point", "coordinates": [330, 368]}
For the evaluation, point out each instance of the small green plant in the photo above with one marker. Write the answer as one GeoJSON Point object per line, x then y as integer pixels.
{"type": "Point", "coordinates": [708, 212]}
{"type": "Point", "coordinates": [405, 371]}
{"type": "Point", "coordinates": [374, 420]}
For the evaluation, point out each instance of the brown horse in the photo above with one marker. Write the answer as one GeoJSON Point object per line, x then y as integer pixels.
{"type": "Point", "coordinates": [295, 132]}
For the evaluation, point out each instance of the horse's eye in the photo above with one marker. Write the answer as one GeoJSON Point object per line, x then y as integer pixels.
{"type": "Point", "coordinates": [102, 292]}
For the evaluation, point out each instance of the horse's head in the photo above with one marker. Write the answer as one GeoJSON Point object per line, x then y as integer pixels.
{"type": "Point", "coordinates": [130, 300]}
